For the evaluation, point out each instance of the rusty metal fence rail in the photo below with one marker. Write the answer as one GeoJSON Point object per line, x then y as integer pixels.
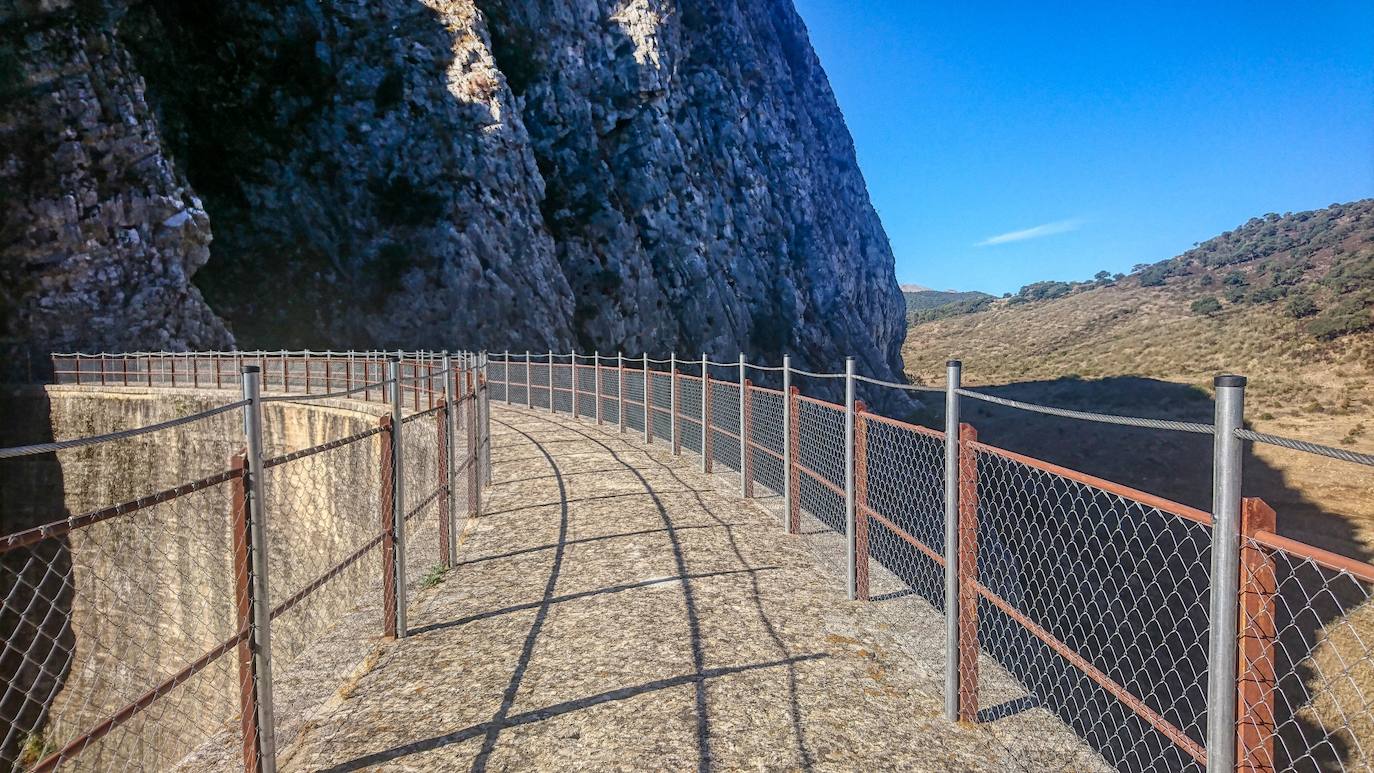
{"type": "Point", "coordinates": [1163, 640]}
{"type": "Point", "coordinates": [1166, 637]}
{"type": "Point", "coordinates": [140, 629]}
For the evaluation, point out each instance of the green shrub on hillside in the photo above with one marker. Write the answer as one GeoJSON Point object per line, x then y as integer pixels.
{"type": "Point", "coordinates": [1045, 291]}
{"type": "Point", "coordinates": [1349, 316]}
{"type": "Point", "coordinates": [1302, 306]}
{"type": "Point", "coordinates": [1206, 306]}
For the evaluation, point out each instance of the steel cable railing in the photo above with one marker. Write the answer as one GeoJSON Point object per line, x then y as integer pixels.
{"type": "Point", "coordinates": [1091, 595]}
{"type": "Point", "coordinates": [1095, 598]}
{"type": "Point", "coordinates": [143, 633]}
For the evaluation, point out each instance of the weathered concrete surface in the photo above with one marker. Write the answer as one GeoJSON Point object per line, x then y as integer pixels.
{"type": "Point", "coordinates": [615, 609]}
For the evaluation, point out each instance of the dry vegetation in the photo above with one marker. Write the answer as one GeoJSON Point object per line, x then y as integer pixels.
{"type": "Point", "coordinates": [1302, 385]}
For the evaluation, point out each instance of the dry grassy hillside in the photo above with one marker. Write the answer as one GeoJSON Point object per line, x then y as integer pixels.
{"type": "Point", "coordinates": [1305, 382]}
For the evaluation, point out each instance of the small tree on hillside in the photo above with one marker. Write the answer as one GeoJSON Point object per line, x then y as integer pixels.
{"type": "Point", "coordinates": [1206, 306]}
{"type": "Point", "coordinates": [1302, 306]}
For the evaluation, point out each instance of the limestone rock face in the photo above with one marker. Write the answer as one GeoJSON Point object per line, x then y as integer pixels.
{"type": "Point", "coordinates": [701, 185]}
{"type": "Point", "coordinates": [99, 232]}
{"type": "Point", "coordinates": [636, 175]}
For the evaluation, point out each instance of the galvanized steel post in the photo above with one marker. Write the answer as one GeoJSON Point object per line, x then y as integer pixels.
{"type": "Point", "coordinates": [596, 381]}
{"type": "Point", "coordinates": [787, 420]}
{"type": "Point", "coordinates": [551, 381]}
{"type": "Point", "coordinates": [743, 433]}
{"type": "Point", "coordinates": [620, 390]}
{"type": "Point", "coordinates": [1226, 514]}
{"type": "Point", "coordinates": [851, 583]}
{"type": "Point", "coordinates": [486, 419]}
{"type": "Point", "coordinates": [450, 416]}
{"type": "Point", "coordinates": [398, 490]}
{"type": "Point", "coordinates": [648, 403]}
{"type": "Point", "coordinates": [672, 403]}
{"type": "Point", "coordinates": [257, 536]}
{"type": "Point", "coordinates": [572, 365]}
{"type": "Point", "coordinates": [505, 366]}
{"type": "Point", "coordinates": [705, 414]}
{"type": "Point", "coordinates": [953, 375]}
{"type": "Point", "coordinates": [529, 393]}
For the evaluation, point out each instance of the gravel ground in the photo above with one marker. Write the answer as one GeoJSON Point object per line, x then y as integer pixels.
{"type": "Point", "coordinates": [615, 609]}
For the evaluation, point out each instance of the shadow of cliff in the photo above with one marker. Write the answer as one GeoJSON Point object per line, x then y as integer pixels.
{"type": "Point", "coordinates": [298, 124]}
{"type": "Point", "coordinates": [1127, 585]}
{"type": "Point", "coordinates": [35, 619]}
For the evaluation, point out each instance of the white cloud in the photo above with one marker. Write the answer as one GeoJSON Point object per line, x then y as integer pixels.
{"type": "Point", "coordinates": [1039, 231]}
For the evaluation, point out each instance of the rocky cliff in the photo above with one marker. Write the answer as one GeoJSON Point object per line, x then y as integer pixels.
{"type": "Point", "coordinates": [633, 175]}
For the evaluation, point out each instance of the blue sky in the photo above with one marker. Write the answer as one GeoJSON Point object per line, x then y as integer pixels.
{"type": "Point", "coordinates": [1005, 143]}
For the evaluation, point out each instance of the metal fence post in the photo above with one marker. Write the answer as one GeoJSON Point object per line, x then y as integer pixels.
{"type": "Point", "coordinates": [450, 433]}
{"type": "Point", "coordinates": [1258, 631]}
{"type": "Point", "coordinates": [261, 603]}
{"type": "Point", "coordinates": [596, 381]}
{"type": "Point", "coordinates": [551, 410]}
{"type": "Point", "coordinates": [474, 491]}
{"type": "Point", "coordinates": [705, 414]}
{"type": "Point", "coordinates": [747, 468]}
{"type": "Point", "coordinates": [388, 511]}
{"type": "Point", "coordinates": [743, 433]}
{"type": "Point", "coordinates": [850, 535]}
{"type": "Point", "coordinates": [506, 369]}
{"type": "Point", "coordinates": [648, 404]}
{"type": "Point", "coordinates": [572, 365]}
{"type": "Point", "coordinates": [398, 491]}
{"type": "Point", "coordinates": [243, 603]}
{"type": "Point", "coordinates": [620, 390]}
{"type": "Point", "coordinates": [861, 500]}
{"type": "Point", "coordinates": [1221, 650]}
{"type": "Point", "coordinates": [529, 382]}
{"type": "Point", "coordinates": [953, 375]}
{"type": "Point", "coordinates": [486, 420]}
{"type": "Point", "coordinates": [446, 503]}
{"type": "Point", "coordinates": [968, 575]}
{"type": "Point", "coordinates": [786, 440]}
{"type": "Point", "coordinates": [673, 429]}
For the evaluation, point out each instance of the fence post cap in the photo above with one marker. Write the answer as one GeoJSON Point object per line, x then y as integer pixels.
{"type": "Point", "coordinates": [954, 363]}
{"type": "Point", "coordinates": [251, 369]}
{"type": "Point", "coordinates": [1229, 381]}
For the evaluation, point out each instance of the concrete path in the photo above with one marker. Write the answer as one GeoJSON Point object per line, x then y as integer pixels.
{"type": "Point", "coordinates": [615, 609]}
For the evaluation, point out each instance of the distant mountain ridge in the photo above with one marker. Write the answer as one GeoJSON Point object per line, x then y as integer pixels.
{"type": "Point", "coordinates": [1286, 298]}
{"type": "Point", "coordinates": [924, 304]}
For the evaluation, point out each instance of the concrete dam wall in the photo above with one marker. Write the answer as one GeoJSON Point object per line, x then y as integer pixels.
{"type": "Point", "coordinates": [108, 611]}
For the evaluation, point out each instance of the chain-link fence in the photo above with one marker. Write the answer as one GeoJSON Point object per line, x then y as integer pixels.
{"type": "Point", "coordinates": [1166, 637]}
{"type": "Point", "coordinates": [140, 630]}
{"type": "Point", "coordinates": [1094, 598]}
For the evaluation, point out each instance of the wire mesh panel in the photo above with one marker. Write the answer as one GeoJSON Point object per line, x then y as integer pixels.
{"type": "Point", "coordinates": [725, 424]}
{"type": "Point", "coordinates": [1306, 659]}
{"type": "Point", "coordinates": [634, 400]}
{"type": "Point", "coordinates": [119, 635]}
{"type": "Point", "coordinates": [539, 385]}
{"type": "Point", "coordinates": [324, 538]}
{"type": "Point", "coordinates": [424, 503]}
{"type": "Point", "coordinates": [689, 412]}
{"type": "Point", "coordinates": [662, 405]}
{"type": "Point", "coordinates": [610, 394]}
{"type": "Point", "coordinates": [900, 508]}
{"type": "Point", "coordinates": [766, 438]}
{"type": "Point", "coordinates": [562, 387]}
{"type": "Point", "coordinates": [820, 461]}
{"type": "Point", "coordinates": [498, 374]}
{"type": "Point", "coordinates": [1097, 601]}
{"type": "Point", "coordinates": [518, 372]}
{"type": "Point", "coordinates": [586, 391]}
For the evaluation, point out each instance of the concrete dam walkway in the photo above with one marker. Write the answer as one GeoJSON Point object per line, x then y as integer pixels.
{"type": "Point", "coordinates": [614, 608]}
